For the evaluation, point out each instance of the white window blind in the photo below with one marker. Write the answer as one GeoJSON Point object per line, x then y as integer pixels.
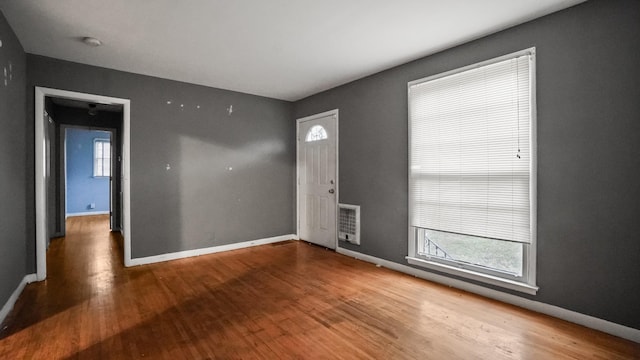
{"type": "Point", "coordinates": [470, 150]}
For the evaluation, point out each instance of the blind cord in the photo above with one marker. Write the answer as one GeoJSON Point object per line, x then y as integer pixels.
{"type": "Point", "coordinates": [518, 103]}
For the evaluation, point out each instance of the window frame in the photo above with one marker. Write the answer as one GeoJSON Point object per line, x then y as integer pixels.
{"type": "Point", "coordinates": [95, 158]}
{"type": "Point", "coordinates": [527, 282]}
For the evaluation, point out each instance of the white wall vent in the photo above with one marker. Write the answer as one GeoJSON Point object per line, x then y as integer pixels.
{"type": "Point", "coordinates": [349, 223]}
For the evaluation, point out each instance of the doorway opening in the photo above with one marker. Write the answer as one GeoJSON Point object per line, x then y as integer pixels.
{"type": "Point", "coordinates": [91, 163]}
{"type": "Point", "coordinates": [56, 112]}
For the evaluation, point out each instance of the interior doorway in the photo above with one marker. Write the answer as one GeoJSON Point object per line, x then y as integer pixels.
{"type": "Point", "coordinates": [91, 176]}
{"type": "Point", "coordinates": [51, 211]}
{"type": "Point", "coordinates": [85, 160]}
{"type": "Point", "coordinates": [317, 169]}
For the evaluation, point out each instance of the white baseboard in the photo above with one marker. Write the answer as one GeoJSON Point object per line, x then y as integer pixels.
{"type": "Point", "coordinates": [209, 250]}
{"type": "Point", "coordinates": [555, 311]}
{"type": "Point", "coordinates": [87, 213]}
{"type": "Point", "coordinates": [8, 306]}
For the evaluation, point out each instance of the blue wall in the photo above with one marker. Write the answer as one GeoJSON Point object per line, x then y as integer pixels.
{"type": "Point", "coordinates": [82, 188]}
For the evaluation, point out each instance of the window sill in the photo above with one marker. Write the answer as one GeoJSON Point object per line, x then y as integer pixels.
{"type": "Point", "coordinates": [473, 275]}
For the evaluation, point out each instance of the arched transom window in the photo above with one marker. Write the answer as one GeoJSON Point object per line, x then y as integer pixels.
{"type": "Point", "coordinates": [316, 133]}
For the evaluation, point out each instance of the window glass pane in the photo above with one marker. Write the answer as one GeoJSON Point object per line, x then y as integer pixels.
{"type": "Point", "coordinates": [99, 171]}
{"type": "Point", "coordinates": [98, 149]}
{"type": "Point", "coordinates": [502, 256]}
{"type": "Point", "coordinates": [316, 133]}
{"type": "Point", "coordinates": [102, 158]}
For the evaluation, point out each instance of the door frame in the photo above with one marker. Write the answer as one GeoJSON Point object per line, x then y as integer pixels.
{"type": "Point", "coordinates": [335, 114]}
{"type": "Point", "coordinates": [41, 166]}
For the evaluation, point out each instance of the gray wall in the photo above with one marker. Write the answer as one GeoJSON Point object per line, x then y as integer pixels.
{"type": "Point", "coordinates": [588, 96]}
{"type": "Point", "coordinates": [231, 176]}
{"type": "Point", "coordinates": [12, 158]}
{"type": "Point", "coordinates": [589, 160]}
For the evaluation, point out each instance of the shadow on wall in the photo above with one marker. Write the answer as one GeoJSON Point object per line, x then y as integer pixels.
{"type": "Point", "coordinates": [235, 172]}
{"type": "Point", "coordinates": [216, 176]}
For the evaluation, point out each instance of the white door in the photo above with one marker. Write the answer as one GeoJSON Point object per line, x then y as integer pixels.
{"type": "Point", "coordinates": [317, 176]}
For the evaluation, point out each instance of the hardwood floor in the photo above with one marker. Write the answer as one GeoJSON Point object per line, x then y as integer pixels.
{"type": "Point", "coordinates": [286, 300]}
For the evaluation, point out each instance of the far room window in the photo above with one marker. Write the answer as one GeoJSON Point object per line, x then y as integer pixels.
{"type": "Point", "coordinates": [472, 172]}
{"type": "Point", "coordinates": [101, 157]}
{"type": "Point", "coordinates": [316, 133]}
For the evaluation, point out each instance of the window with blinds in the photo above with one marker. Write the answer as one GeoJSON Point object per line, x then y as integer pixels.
{"type": "Point", "coordinates": [472, 167]}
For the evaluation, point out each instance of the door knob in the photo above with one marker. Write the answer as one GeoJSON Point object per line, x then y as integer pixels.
{"type": "Point", "coordinates": [331, 191]}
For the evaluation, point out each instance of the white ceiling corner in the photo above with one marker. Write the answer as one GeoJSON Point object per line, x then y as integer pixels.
{"type": "Point", "coordinates": [284, 49]}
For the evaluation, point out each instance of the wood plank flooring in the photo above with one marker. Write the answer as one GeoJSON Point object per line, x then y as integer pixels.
{"type": "Point", "coordinates": [288, 300]}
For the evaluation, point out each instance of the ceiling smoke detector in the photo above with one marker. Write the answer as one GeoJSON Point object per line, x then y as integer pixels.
{"type": "Point", "coordinates": [91, 41]}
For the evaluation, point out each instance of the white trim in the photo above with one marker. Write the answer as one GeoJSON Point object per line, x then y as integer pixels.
{"type": "Point", "coordinates": [125, 225]}
{"type": "Point", "coordinates": [474, 275]}
{"type": "Point", "coordinates": [40, 167]}
{"type": "Point", "coordinates": [529, 51]}
{"type": "Point", "coordinates": [40, 185]}
{"type": "Point", "coordinates": [336, 114]}
{"type": "Point", "coordinates": [66, 183]}
{"type": "Point", "coordinates": [8, 306]}
{"type": "Point", "coordinates": [551, 310]}
{"type": "Point", "coordinates": [86, 213]}
{"type": "Point", "coordinates": [209, 250]}
{"type": "Point", "coordinates": [532, 249]}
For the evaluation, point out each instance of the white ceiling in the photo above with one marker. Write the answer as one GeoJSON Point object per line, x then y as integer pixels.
{"type": "Point", "coordinates": [284, 49]}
